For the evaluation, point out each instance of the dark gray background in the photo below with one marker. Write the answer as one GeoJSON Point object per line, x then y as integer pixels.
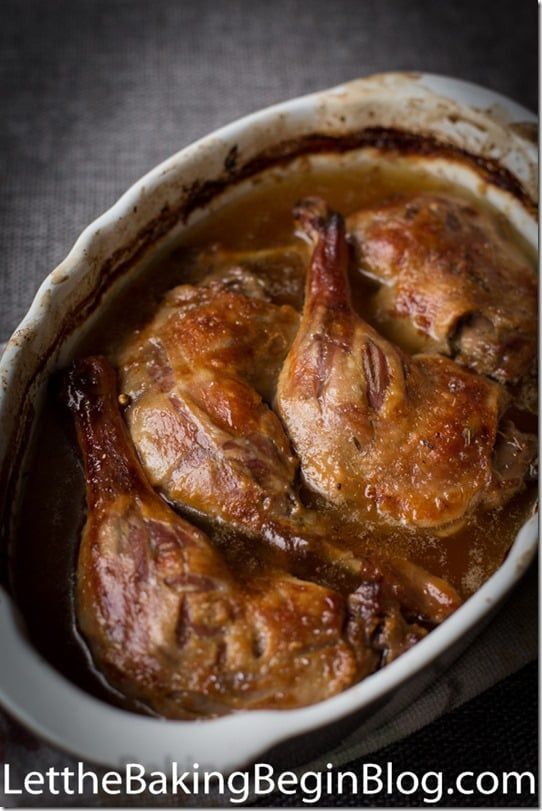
{"type": "Point", "coordinates": [96, 93]}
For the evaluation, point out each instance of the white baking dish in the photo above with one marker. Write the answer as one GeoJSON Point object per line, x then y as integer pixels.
{"type": "Point", "coordinates": [454, 117]}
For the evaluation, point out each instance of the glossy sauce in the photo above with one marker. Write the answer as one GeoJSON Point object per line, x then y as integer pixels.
{"type": "Point", "coordinates": [44, 552]}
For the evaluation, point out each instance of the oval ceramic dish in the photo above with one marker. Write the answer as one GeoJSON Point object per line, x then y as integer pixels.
{"type": "Point", "coordinates": [468, 134]}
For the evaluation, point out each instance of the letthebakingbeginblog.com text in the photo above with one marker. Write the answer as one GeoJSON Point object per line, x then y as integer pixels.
{"type": "Point", "coordinates": [371, 780]}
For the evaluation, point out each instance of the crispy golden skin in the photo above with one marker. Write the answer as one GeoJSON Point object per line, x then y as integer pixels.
{"type": "Point", "coordinates": [199, 377]}
{"type": "Point", "coordinates": [170, 624]}
{"type": "Point", "coordinates": [193, 628]}
{"type": "Point", "coordinates": [166, 619]}
{"type": "Point", "coordinates": [448, 273]}
{"type": "Point", "coordinates": [408, 439]}
{"type": "Point", "coordinates": [208, 440]}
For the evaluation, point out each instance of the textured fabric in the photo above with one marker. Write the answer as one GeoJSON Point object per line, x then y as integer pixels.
{"type": "Point", "coordinates": [96, 92]}
{"type": "Point", "coordinates": [486, 735]}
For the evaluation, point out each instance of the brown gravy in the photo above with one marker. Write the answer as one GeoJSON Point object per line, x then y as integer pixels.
{"type": "Point", "coordinates": [44, 551]}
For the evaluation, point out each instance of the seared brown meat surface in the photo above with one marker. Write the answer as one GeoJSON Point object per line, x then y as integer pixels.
{"type": "Point", "coordinates": [199, 378]}
{"type": "Point", "coordinates": [448, 272]}
{"type": "Point", "coordinates": [409, 439]}
{"type": "Point", "coordinates": [168, 621]}
{"type": "Point", "coordinates": [238, 412]}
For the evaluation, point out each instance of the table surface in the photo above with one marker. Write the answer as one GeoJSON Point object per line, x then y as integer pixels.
{"type": "Point", "coordinates": [97, 92]}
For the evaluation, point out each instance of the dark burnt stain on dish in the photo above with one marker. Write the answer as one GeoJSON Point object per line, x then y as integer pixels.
{"type": "Point", "coordinates": [231, 160]}
{"type": "Point", "coordinates": [386, 140]}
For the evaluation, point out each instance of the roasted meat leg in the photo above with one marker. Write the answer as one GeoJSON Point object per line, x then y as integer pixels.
{"type": "Point", "coordinates": [166, 619]}
{"type": "Point", "coordinates": [199, 378]}
{"type": "Point", "coordinates": [170, 624]}
{"type": "Point", "coordinates": [448, 273]}
{"type": "Point", "coordinates": [410, 440]}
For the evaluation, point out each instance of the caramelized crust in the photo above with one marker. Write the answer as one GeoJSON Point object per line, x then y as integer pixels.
{"type": "Point", "coordinates": [166, 620]}
{"type": "Point", "coordinates": [170, 624]}
{"type": "Point", "coordinates": [408, 439]}
{"type": "Point", "coordinates": [199, 378]}
{"type": "Point", "coordinates": [208, 440]}
{"type": "Point", "coordinates": [450, 274]}
{"type": "Point", "coordinates": [255, 423]}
